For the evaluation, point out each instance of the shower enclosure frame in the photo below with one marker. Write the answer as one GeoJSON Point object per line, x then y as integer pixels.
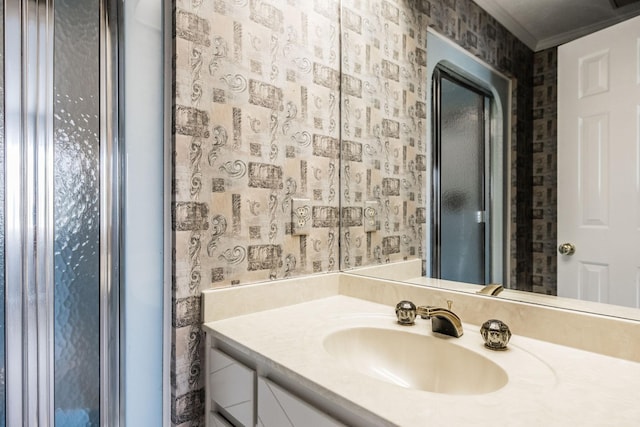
{"type": "Point", "coordinates": [443, 72]}
{"type": "Point", "coordinates": [442, 51]}
{"type": "Point", "coordinates": [29, 228]}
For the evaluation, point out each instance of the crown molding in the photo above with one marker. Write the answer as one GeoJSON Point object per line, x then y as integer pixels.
{"type": "Point", "coordinates": [505, 18]}
{"type": "Point", "coordinates": [568, 36]}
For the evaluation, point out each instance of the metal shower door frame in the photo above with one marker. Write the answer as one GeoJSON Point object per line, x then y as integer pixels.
{"type": "Point", "coordinates": [439, 73]}
{"type": "Point", "coordinates": [29, 142]}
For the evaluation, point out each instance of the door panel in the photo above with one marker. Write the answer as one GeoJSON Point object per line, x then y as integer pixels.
{"type": "Point", "coordinates": [598, 165]}
{"type": "Point", "coordinates": [594, 282]}
{"type": "Point", "coordinates": [593, 150]}
{"type": "Point", "coordinates": [593, 74]}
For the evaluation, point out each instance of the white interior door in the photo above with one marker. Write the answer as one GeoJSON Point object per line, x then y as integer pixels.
{"type": "Point", "coordinates": [598, 165]}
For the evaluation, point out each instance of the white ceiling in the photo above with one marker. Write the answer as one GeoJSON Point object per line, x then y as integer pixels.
{"type": "Point", "coordinates": [541, 24]}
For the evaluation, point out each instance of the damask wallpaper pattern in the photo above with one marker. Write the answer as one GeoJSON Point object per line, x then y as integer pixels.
{"type": "Point", "coordinates": [257, 116]}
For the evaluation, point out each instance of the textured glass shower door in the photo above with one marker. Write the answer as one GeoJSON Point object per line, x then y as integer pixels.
{"type": "Point", "coordinates": [76, 211]}
{"type": "Point", "coordinates": [461, 156]}
{"type": "Point", "coordinates": [62, 213]}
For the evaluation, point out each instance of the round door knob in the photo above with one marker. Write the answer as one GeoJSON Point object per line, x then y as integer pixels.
{"type": "Point", "coordinates": [567, 249]}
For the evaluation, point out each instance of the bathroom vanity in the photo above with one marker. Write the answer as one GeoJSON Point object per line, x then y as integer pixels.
{"type": "Point", "coordinates": [327, 350]}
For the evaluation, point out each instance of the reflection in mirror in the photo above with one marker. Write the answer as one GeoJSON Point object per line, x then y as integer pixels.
{"type": "Point", "coordinates": [453, 161]}
{"type": "Point", "coordinates": [385, 60]}
{"type": "Point", "coordinates": [461, 248]}
{"type": "Point", "coordinates": [385, 151]}
{"type": "Point", "coordinates": [598, 183]}
{"type": "Point", "coordinates": [383, 118]}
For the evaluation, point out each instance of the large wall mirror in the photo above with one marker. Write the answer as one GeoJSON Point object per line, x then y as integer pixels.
{"type": "Point", "coordinates": [391, 199]}
{"type": "Point", "coordinates": [321, 110]}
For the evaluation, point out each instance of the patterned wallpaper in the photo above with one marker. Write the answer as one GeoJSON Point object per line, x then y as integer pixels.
{"type": "Point", "coordinates": [545, 225]}
{"type": "Point", "coordinates": [257, 113]}
{"type": "Point", "coordinates": [384, 113]}
{"type": "Point", "coordinates": [383, 133]}
{"type": "Point", "coordinates": [258, 136]}
{"type": "Point", "coordinates": [256, 121]}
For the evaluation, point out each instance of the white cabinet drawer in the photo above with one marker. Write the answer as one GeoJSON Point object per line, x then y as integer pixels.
{"type": "Point", "coordinates": [279, 408]}
{"type": "Point", "coordinates": [232, 387]}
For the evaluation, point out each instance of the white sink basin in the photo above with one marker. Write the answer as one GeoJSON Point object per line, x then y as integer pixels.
{"type": "Point", "coordinates": [415, 361]}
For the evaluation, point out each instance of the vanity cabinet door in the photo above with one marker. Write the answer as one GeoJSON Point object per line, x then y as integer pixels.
{"type": "Point", "coordinates": [279, 408]}
{"type": "Point", "coordinates": [216, 420]}
{"type": "Point", "coordinates": [232, 388]}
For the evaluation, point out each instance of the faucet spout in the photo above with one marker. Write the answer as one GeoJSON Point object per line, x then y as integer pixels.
{"type": "Point", "coordinates": [443, 321]}
{"type": "Point", "coordinates": [491, 289]}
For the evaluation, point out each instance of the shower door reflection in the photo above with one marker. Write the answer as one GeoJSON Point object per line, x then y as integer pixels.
{"type": "Point", "coordinates": [461, 153]}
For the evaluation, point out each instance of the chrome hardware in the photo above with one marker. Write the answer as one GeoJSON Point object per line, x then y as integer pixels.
{"type": "Point", "coordinates": [443, 321]}
{"type": "Point", "coordinates": [496, 334]}
{"type": "Point", "coordinates": [491, 289]}
{"type": "Point", "coordinates": [567, 249]}
{"type": "Point", "coordinates": [406, 312]}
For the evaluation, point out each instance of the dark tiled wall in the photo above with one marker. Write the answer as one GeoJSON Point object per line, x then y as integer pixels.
{"type": "Point", "coordinates": [256, 125]}
{"type": "Point", "coordinates": [545, 171]}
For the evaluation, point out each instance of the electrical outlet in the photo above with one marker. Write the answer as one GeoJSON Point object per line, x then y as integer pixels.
{"type": "Point", "coordinates": [300, 217]}
{"type": "Point", "coordinates": [370, 216]}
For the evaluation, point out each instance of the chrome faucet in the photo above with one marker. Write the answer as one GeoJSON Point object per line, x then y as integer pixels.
{"type": "Point", "coordinates": [443, 321]}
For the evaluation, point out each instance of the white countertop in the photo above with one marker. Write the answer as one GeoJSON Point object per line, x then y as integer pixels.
{"type": "Point", "coordinates": [550, 384]}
